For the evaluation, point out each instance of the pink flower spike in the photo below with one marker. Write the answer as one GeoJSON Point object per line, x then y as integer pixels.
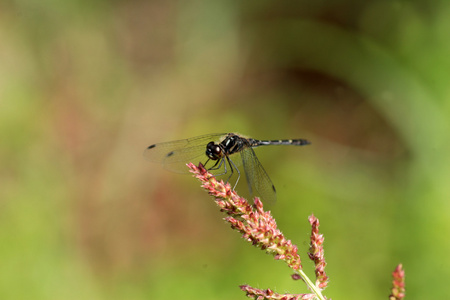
{"type": "Point", "coordinates": [316, 253]}
{"type": "Point", "coordinates": [256, 225]}
{"type": "Point", "coordinates": [398, 284]}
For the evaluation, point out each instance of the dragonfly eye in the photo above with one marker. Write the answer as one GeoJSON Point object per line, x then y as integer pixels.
{"type": "Point", "coordinates": [213, 151]}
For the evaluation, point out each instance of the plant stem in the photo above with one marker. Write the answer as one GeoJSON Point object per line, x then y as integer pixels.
{"type": "Point", "coordinates": [311, 285]}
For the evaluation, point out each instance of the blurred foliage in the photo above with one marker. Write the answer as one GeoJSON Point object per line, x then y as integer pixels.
{"type": "Point", "coordinates": [85, 86]}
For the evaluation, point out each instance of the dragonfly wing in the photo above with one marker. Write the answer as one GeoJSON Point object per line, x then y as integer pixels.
{"type": "Point", "coordinates": [176, 154]}
{"type": "Point", "coordinates": [258, 181]}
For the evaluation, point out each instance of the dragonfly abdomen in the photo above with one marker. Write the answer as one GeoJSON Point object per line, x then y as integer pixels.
{"type": "Point", "coordinates": [296, 142]}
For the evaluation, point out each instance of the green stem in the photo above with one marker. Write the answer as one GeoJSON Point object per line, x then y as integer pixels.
{"type": "Point", "coordinates": [311, 285]}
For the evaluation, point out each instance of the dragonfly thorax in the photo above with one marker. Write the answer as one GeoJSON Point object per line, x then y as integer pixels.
{"type": "Point", "coordinates": [214, 151]}
{"type": "Point", "coordinates": [233, 144]}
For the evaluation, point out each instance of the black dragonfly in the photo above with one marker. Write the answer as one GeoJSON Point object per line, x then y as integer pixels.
{"type": "Point", "coordinates": [220, 149]}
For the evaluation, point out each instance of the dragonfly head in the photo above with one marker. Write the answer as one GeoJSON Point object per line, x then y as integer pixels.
{"type": "Point", "coordinates": [213, 151]}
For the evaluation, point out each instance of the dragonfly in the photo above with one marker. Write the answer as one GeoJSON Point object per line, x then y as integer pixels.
{"type": "Point", "coordinates": [221, 151]}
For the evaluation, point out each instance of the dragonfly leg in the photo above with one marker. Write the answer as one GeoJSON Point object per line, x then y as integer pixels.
{"type": "Point", "coordinates": [231, 163]}
{"type": "Point", "coordinates": [206, 162]}
{"type": "Point", "coordinates": [218, 165]}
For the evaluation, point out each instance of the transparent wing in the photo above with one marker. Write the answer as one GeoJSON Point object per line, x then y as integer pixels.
{"type": "Point", "coordinates": [259, 182]}
{"type": "Point", "coordinates": [176, 154]}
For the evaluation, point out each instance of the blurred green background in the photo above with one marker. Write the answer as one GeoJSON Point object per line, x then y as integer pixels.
{"type": "Point", "coordinates": [85, 86]}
